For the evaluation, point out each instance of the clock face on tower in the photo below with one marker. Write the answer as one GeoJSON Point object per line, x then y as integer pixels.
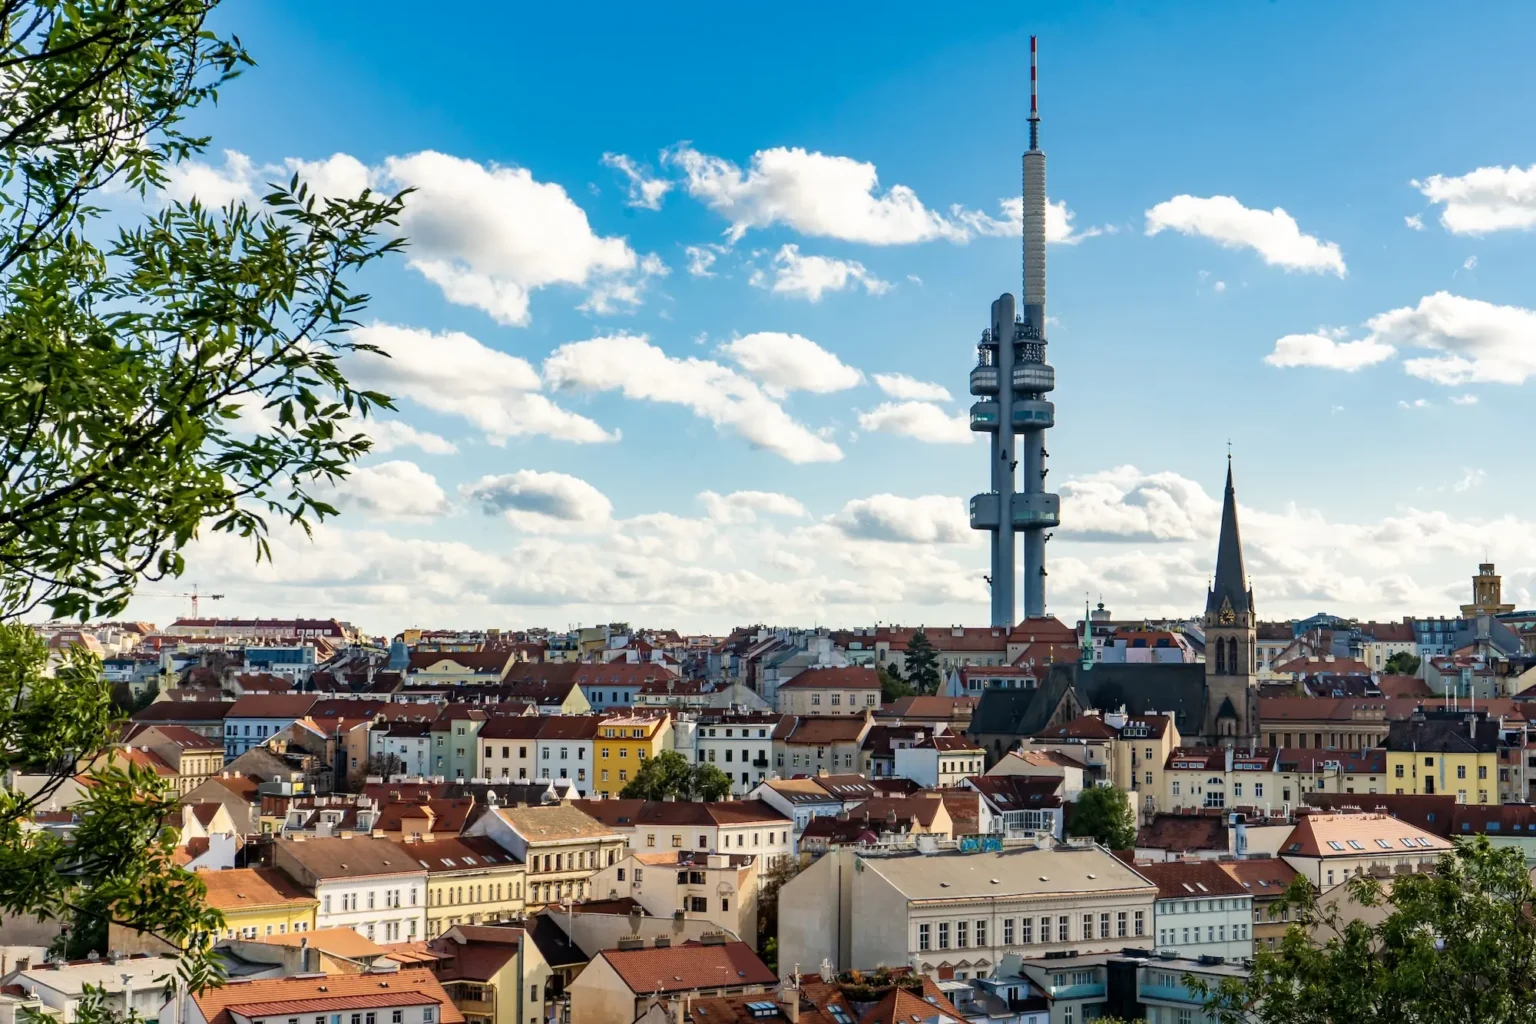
{"type": "Point", "coordinates": [1226, 618]}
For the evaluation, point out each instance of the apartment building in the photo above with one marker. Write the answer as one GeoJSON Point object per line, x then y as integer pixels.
{"type": "Point", "coordinates": [373, 886]}
{"type": "Point", "coordinates": [724, 826]}
{"type": "Point", "coordinates": [719, 888]}
{"type": "Point", "coordinates": [509, 748]}
{"type": "Point", "coordinates": [1448, 752]}
{"type": "Point", "coordinates": [408, 996]}
{"type": "Point", "coordinates": [846, 690]}
{"type": "Point", "coordinates": [560, 847]}
{"type": "Point", "coordinates": [623, 744]}
{"type": "Point", "coordinates": [803, 745]}
{"type": "Point", "coordinates": [1201, 909]}
{"type": "Point", "coordinates": [1328, 849]}
{"type": "Point", "coordinates": [741, 746]}
{"type": "Point", "coordinates": [469, 881]}
{"type": "Point", "coordinates": [940, 762]}
{"type": "Point", "coordinates": [959, 912]}
{"type": "Point", "coordinates": [566, 749]}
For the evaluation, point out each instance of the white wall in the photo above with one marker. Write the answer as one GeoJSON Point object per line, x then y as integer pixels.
{"type": "Point", "coordinates": [385, 909]}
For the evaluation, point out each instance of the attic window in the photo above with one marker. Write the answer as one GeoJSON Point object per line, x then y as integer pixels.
{"type": "Point", "coordinates": [1333, 845]}
{"type": "Point", "coordinates": [448, 862]}
{"type": "Point", "coordinates": [1409, 842]}
{"type": "Point", "coordinates": [1383, 844]}
{"type": "Point", "coordinates": [1354, 844]}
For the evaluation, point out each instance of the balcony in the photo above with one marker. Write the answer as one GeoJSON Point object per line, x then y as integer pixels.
{"type": "Point", "coordinates": [984, 514]}
{"type": "Point", "coordinates": [1033, 414]}
{"type": "Point", "coordinates": [1034, 377]}
{"type": "Point", "coordinates": [984, 416]}
{"type": "Point", "coordinates": [984, 380]}
{"type": "Point", "coordinates": [1031, 510]}
{"type": "Point", "coordinates": [761, 762]}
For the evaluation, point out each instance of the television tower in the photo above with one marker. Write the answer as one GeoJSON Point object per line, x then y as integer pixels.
{"type": "Point", "coordinates": [1011, 377]}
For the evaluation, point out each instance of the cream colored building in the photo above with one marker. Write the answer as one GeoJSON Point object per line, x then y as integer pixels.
{"type": "Point", "coordinates": [1331, 848]}
{"type": "Point", "coordinates": [961, 912]}
{"type": "Point", "coordinates": [469, 881]}
{"type": "Point", "coordinates": [560, 847]}
{"type": "Point", "coordinates": [849, 690]}
{"type": "Point", "coordinates": [720, 889]}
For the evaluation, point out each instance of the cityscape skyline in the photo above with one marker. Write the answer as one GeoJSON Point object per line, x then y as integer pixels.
{"type": "Point", "coordinates": [721, 380]}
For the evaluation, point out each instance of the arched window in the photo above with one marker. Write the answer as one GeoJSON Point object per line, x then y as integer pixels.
{"type": "Point", "coordinates": [1221, 657]}
{"type": "Point", "coordinates": [1232, 664]}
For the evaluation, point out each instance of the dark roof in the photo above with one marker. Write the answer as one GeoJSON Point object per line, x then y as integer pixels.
{"type": "Point", "coordinates": [1446, 733]}
{"type": "Point", "coordinates": [1018, 792]}
{"type": "Point", "coordinates": [184, 711]}
{"type": "Point", "coordinates": [1145, 689]}
{"type": "Point", "coordinates": [1494, 820]}
{"type": "Point", "coordinates": [1178, 833]}
{"type": "Point", "coordinates": [553, 943]}
{"type": "Point", "coordinates": [1020, 712]}
{"type": "Point", "coordinates": [1230, 586]}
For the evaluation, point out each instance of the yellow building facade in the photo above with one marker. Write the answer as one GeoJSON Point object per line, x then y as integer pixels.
{"type": "Point", "coordinates": [470, 881]}
{"type": "Point", "coordinates": [623, 744]}
{"type": "Point", "coordinates": [257, 902]}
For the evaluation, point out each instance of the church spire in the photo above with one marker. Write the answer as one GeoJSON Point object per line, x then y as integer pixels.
{"type": "Point", "coordinates": [1230, 588]}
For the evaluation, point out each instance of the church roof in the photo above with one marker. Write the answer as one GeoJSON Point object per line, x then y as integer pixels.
{"type": "Point", "coordinates": [1231, 582]}
{"type": "Point", "coordinates": [1146, 689]}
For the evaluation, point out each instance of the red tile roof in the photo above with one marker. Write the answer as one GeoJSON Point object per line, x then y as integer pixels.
{"type": "Point", "coordinates": [1182, 880]}
{"type": "Point", "coordinates": [330, 993]}
{"type": "Point", "coordinates": [1083, 727]}
{"type": "Point", "coordinates": [1183, 833]}
{"type": "Point", "coordinates": [954, 709]}
{"type": "Point", "coordinates": [272, 705]}
{"type": "Point", "coordinates": [1354, 835]}
{"type": "Point", "coordinates": [853, 677]}
{"type": "Point", "coordinates": [690, 965]}
{"type": "Point", "coordinates": [1264, 877]}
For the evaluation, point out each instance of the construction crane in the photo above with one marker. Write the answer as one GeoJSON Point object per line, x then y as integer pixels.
{"type": "Point", "coordinates": [193, 594]}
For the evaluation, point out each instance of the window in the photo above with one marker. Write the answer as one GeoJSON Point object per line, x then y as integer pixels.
{"type": "Point", "coordinates": [1461, 771]}
{"type": "Point", "coordinates": [1175, 787]}
{"type": "Point", "coordinates": [962, 934]}
{"type": "Point", "coordinates": [1008, 930]}
{"type": "Point", "coordinates": [1087, 927]}
{"type": "Point", "coordinates": [428, 1014]}
{"type": "Point", "coordinates": [922, 936]}
{"type": "Point", "coordinates": [981, 933]}
{"type": "Point", "coordinates": [1258, 789]}
{"type": "Point", "coordinates": [1120, 924]}
{"type": "Point", "coordinates": [1103, 926]}
{"type": "Point", "coordinates": [1482, 771]}
{"type": "Point", "coordinates": [1398, 771]}
{"type": "Point", "coordinates": [698, 904]}
{"type": "Point", "coordinates": [650, 840]}
{"type": "Point", "coordinates": [1140, 922]}
{"type": "Point", "coordinates": [1027, 929]}
{"type": "Point", "coordinates": [1063, 928]}
{"type": "Point", "coordinates": [943, 934]}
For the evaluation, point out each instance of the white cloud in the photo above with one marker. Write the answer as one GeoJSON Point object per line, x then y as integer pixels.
{"type": "Point", "coordinates": [931, 519]}
{"type": "Point", "coordinates": [387, 435]}
{"type": "Point", "coordinates": [1470, 478]}
{"type": "Point", "coordinates": [921, 420]}
{"type": "Point", "coordinates": [814, 193]}
{"type": "Point", "coordinates": [1479, 342]}
{"type": "Point", "coordinates": [625, 294]}
{"type": "Point", "coordinates": [1273, 234]}
{"type": "Point", "coordinates": [632, 366]}
{"type": "Point", "coordinates": [744, 506]}
{"type": "Point", "coordinates": [702, 257]}
{"type": "Point", "coordinates": [388, 490]}
{"type": "Point", "coordinates": [1058, 221]}
{"type": "Point", "coordinates": [808, 277]}
{"type": "Point", "coordinates": [1417, 403]}
{"type": "Point", "coordinates": [534, 500]}
{"type": "Point", "coordinates": [789, 362]}
{"type": "Point", "coordinates": [1327, 351]}
{"type": "Point", "coordinates": [489, 236]}
{"type": "Point", "coordinates": [1470, 263]}
{"type": "Point", "coordinates": [1414, 222]}
{"type": "Point", "coordinates": [1126, 505]}
{"type": "Point", "coordinates": [1219, 287]}
{"type": "Point", "coordinates": [899, 385]}
{"type": "Point", "coordinates": [645, 190]}
{"type": "Point", "coordinates": [213, 186]}
{"type": "Point", "coordinates": [455, 374]}
{"type": "Point", "coordinates": [1487, 199]}
{"type": "Point", "coordinates": [1463, 399]}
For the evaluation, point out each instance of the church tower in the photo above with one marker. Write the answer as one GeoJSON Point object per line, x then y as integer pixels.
{"type": "Point", "coordinates": [1232, 693]}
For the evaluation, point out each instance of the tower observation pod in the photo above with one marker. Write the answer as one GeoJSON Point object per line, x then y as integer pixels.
{"type": "Point", "coordinates": [1010, 380]}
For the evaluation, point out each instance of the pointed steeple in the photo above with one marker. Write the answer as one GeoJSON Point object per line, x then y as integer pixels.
{"type": "Point", "coordinates": [1230, 587]}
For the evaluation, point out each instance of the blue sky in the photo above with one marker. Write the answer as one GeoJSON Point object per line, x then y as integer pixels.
{"type": "Point", "coordinates": [1372, 462]}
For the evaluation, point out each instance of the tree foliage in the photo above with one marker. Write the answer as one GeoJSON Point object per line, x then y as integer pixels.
{"type": "Point", "coordinates": [127, 356]}
{"type": "Point", "coordinates": [176, 371]}
{"type": "Point", "coordinates": [923, 664]}
{"type": "Point", "coordinates": [1458, 943]}
{"type": "Point", "coordinates": [118, 864]}
{"type": "Point", "coordinates": [1105, 813]}
{"type": "Point", "coordinates": [1403, 664]}
{"type": "Point", "coordinates": [669, 776]}
{"type": "Point", "coordinates": [892, 686]}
